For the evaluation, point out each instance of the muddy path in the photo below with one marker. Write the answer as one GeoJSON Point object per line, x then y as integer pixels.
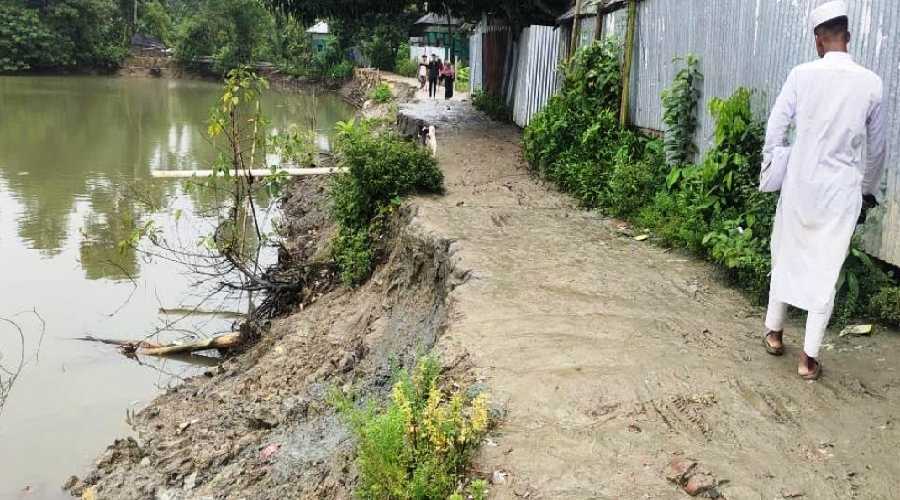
{"type": "Point", "coordinates": [619, 360]}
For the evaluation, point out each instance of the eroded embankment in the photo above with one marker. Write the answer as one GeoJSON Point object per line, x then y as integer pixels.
{"type": "Point", "coordinates": [260, 425]}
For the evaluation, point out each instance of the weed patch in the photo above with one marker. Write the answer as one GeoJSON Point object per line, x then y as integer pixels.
{"type": "Point", "coordinates": [491, 105]}
{"type": "Point", "coordinates": [382, 93]}
{"type": "Point", "coordinates": [420, 444]}
{"type": "Point", "coordinates": [382, 168]}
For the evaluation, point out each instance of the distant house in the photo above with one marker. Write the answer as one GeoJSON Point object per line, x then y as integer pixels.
{"type": "Point", "coordinates": [433, 31]}
{"type": "Point", "coordinates": [146, 45]}
{"type": "Point", "coordinates": [319, 33]}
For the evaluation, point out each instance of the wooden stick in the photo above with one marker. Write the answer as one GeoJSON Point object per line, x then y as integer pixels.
{"type": "Point", "coordinates": [626, 67]}
{"type": "Point", "coordinates": [576, 29]}
{"type": "Point", "coordinates": [225, 341]}
{"type": "Point", "coordinates": [187, 311]}
{"type": "Point", "coordinates": [262, 172]}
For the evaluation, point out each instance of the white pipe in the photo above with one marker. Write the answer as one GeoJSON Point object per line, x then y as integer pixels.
{"type": "Point", "coordinates": [262, 172]}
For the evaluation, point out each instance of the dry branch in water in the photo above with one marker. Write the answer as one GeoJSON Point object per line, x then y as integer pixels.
{"type": "Point", "coordinates": [131, 348]}
{"type": "Point", "coordinates": [9, 374]}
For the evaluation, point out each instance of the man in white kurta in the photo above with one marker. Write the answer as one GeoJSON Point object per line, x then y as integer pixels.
{"type": "Point", "coordinates": [836, 160]}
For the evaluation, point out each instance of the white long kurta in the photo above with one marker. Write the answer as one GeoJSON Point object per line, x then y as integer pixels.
{"type": "Point", "coordinates": [837, 156]}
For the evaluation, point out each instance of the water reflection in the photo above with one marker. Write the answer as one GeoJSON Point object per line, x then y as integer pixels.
{"type": "Point", "coordinates": [75, 162]}
{"type": "Point", "coordinates": [79, 145]}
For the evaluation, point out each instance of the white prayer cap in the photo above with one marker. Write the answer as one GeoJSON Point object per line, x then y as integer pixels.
{"type": "Point", "coordinates": [828, 11]}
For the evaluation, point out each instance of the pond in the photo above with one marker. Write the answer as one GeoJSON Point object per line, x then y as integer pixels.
{"type": "Point", "coordinates": [76, 155]}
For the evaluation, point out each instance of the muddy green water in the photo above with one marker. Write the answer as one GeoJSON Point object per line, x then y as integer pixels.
{"type": "Point", "coordinates": [75, 158]}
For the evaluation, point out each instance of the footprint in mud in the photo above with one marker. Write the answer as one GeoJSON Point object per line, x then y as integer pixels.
{"type": "Point", "coordinates": [500, 220]}
{"type": "Point", "coordinates": [856, 387]}
{"type": "Point", "coordinates": [684, 414]}
{"type": "Point", "coordinates": [768, 404]}
{"type": "Point", "coordinates": [704, 339]}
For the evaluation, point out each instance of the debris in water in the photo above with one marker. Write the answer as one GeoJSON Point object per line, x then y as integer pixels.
{"type": "Point", "coordinates": [498, 477]}
{"type": "Point", "coordinates": [641, 237]}
{"type": "Point", "coordinates": [792, 493]}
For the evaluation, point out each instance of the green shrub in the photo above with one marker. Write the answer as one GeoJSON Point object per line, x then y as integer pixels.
{"type": "Point", "coordinates": [405, 66]}
{"type": "Point", "coordinates": [576, 141]}
{"type": "Point", "coordinates": [91, 32]}
{"type": "Point", "coordinates": [155, 21]}
{"type": "Point", "coordinates": [232, 32]}
{"type": "Point", "coordinates": [674, 218]}
{"type": "Point", "coordinates": [382, 42]}
{"type": "Point", "coordinates": [860, 282]}
{"type": "Point", "coordinates": [885, 305]}
{"type": "Point", "coordinates": [62, 34]}
{"type": "Point", "coordinates": [353, 254]}
{"type": "Point", "coordinates": [679, 104]}
{"type": "Point", "coordinates": [461, 84]}
{"type": "Point", "coordinates": [491, 105]}
{"type": "Point", "coordinates": [634, 179]}
{"type": "Point", "coordinates": [381, 168]}
{"type": "Point", "coordinates": [382, 93]}
{"type": "Point", "coordinates": [26, 42]}
{"type": "Point", "coordinates": [420, 445]}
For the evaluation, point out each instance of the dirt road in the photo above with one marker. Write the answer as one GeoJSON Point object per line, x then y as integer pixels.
{"type": "Point", "coordinates": [616, 357]}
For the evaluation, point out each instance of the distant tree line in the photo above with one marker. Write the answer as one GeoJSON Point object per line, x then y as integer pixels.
{"type": "Point", "coordinates": [48, 35]}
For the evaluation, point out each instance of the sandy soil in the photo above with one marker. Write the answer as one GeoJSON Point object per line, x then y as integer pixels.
{"type": "Point", "coordinates": [620, 361]}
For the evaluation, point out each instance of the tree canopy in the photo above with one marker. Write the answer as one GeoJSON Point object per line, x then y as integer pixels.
{"type": "Point", "coordinates": [516, 12]}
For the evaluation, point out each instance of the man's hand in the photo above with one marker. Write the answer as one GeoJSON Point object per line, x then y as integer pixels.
{"type": "Point", "coordinates": [868, 202]}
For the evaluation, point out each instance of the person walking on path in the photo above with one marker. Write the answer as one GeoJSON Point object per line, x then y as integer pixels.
{"type": "Point", "coordinates": [448, 75]}
{"type": "Point", "coordinates": [434, 70]}
{"type": "Point", "coordinates": [423, 72]}
{"type": "Point", "coordinates": [828, 184]}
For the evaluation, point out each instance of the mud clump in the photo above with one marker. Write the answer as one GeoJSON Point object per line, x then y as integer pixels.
{"type": "Point", "coordinates": [260, 425]}
{"type": "Point", "coordinates": [693, 478]}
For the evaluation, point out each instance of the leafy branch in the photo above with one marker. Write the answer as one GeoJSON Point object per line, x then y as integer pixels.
{"type": "Point", "coordinates": [680, 112]}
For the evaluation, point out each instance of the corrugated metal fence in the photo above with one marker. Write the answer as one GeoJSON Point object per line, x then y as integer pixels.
{"type": "Point", "coordinates": [536, 75]}
{"type": "Point", "coordinates": [740, 43]}
{"type": "Point", "coordinates": [755, 45]}
{"type": "Point", "coordinates": [476, 66]}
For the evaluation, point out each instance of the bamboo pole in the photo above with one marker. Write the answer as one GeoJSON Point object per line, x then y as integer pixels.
{"type": "Point", "coordinates": [598, 25]}
{"type": "Point", "coordinates": [626, 66]}
{"type": "Point", "coordinates": [576, 29]}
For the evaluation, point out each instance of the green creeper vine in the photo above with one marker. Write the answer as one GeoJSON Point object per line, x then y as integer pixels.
{"type": "Point", "coordinates": [680, 112]}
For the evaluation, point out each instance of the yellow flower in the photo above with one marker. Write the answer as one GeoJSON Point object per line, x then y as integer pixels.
{"type": "Point", "coordinates": [480, 414]}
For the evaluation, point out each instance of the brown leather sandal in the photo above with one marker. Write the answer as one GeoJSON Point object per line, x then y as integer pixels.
{"type": "Point", "coordinates": [774, 351]}
{"type": "Point", "coordinates": [813, 375]}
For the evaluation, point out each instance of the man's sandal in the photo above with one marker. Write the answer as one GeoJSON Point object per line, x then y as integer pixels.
{"type": "Point", "coordinates": [816, 373]}
{"type": "Point", "coordinates": [774, 351]}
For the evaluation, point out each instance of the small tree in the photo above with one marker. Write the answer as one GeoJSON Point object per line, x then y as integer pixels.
{"type": "Point", "coordinates": [680, 112]}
